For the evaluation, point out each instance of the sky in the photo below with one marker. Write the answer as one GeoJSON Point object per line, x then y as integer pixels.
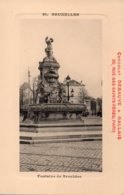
{"type": "Point", "coordinates": [77, 47]}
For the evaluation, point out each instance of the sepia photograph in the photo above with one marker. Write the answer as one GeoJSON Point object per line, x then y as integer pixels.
{"type": "Point", "coordinates": [60, 95]}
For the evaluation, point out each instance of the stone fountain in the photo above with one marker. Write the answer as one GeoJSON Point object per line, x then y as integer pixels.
{"type": "Point", "coordinates": [52, 101]}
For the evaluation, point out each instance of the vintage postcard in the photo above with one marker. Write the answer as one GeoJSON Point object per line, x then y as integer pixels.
{"type": "Point", "coordinates": [62, 97]}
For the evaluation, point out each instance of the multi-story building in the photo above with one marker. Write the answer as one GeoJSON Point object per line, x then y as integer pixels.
{"type": "Point", "coordinates": [75, 91]}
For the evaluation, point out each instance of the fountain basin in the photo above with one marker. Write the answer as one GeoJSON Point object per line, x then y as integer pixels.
{"type": "Point", "coordinates": [54, 111]}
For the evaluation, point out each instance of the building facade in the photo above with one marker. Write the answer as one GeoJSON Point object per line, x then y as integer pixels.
{"type": "Point", "coordinates": [75, 91]}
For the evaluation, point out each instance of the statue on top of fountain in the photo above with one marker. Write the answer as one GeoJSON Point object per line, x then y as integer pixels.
{"type": "Point", "coordinates": [49, 50]}
{"type": "Point", "coordinates": [49, 88]}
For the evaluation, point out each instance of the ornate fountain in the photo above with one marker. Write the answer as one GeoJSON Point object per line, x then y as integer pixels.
{"type": "Point", "coordinates": [52, 101]}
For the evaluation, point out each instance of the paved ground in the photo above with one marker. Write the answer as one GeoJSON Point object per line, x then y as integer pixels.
{"type": "Point", "coordinates": [61, 157]}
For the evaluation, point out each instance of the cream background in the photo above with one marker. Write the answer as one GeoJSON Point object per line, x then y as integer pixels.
{"type": "Point", "coordinates": [111, 181]}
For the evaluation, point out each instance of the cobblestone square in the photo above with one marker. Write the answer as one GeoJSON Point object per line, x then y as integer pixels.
{"type": "Point", "coordinates": [61, 157]}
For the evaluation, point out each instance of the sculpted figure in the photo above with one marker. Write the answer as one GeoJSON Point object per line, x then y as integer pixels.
{"type": "Point", "coordinates": [48, 50]}
{"type": "Point", "coordinates": [48, 42]}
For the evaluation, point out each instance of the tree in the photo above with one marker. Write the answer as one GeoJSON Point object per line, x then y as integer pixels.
{"type": "Point", "coordinates": [24, 94]}
{"type": "Point", "coordinates": [83, 94]}
{"type": "Point", "coordinates": [34, 87]}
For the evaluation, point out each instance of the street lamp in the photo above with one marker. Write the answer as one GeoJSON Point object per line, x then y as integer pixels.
{"type": "Point", "coordinates": [67, 82]}
{"type": "Point", "coordinates": [72, 91]}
